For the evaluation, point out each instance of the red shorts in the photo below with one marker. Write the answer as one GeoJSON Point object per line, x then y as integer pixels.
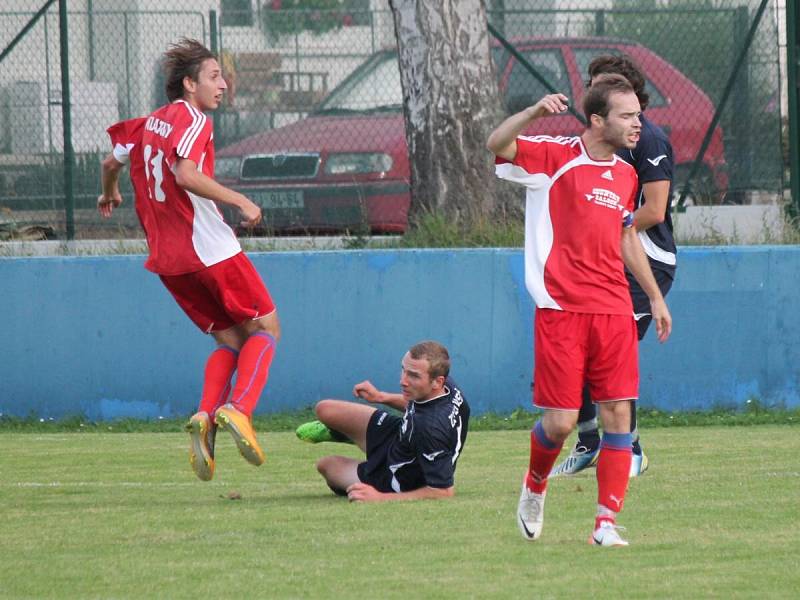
{"type": "Point", "coordinates": [222, 295]}
{"type": "Point", "coordinates": [573, 348]}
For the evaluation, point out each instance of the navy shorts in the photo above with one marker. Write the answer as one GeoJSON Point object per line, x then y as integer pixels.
{"type": "Point", "coordinates": [641, 303]}
{"type": "Point", "coordinates": [382, 427]}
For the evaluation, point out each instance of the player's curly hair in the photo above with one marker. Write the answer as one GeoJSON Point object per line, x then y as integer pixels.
{"type": "Point", "coordinates": [595, 101]}
{"type": "Point", "coordinates": [437, 356]}
{"type": "Point", "coordinates": [620, 65]}
{"type": "Point", "coordinates": [183, 59]}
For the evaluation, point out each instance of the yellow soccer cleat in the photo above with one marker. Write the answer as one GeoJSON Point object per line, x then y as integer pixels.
{"type": "Point", "coordinates": [241, 429]}
{"type": "Point", "coordinates": [201, 452]}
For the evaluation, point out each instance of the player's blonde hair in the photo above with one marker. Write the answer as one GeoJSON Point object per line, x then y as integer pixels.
{"type": "Point", "coordinates": [437, 356]}
{"type": "Point", "coordinates": [183, 59]}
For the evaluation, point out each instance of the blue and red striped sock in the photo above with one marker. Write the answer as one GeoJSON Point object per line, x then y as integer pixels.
{"type": "Point", "coordinates": [544, 453]}
{"type": "Point", "coordinates": [613, 469]}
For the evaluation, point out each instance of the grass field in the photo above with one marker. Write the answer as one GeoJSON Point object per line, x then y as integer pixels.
{"type": "Point", "coordinates": [121, 516]}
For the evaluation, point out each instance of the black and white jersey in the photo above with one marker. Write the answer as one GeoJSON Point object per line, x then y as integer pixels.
{"type": "Point", "coordinates": [652, 159]}
{"type": "Point", "coordinates": [429, 441]}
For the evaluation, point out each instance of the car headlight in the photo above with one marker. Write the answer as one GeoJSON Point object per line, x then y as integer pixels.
{"type": "Point", "coordinates": [227, 167]}
{"type": "Point", "coordinates": [362, 162]}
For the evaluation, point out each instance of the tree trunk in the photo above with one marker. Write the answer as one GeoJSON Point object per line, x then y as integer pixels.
{"type": "Point", "coordinates": [450, 104]}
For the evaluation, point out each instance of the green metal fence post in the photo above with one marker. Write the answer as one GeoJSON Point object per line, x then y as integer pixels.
{"type": "Point", "coordinates": [698, 159]}
{"type": "Point", "coordinates": [741, 148]}
{"type": "Point", "coordinates": [66, 115]}
{"type": "Point", "coordinates": [90, 26]}
{"type": "Point", "coordinates": [793, 71]}
{"type": "Point", "coordinates": [600, 23]}
{"type": "Point", "coordinates": [212, 29]}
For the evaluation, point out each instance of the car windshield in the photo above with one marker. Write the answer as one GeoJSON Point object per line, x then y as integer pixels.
{"type": "Point", "coordinates": [374, 87]}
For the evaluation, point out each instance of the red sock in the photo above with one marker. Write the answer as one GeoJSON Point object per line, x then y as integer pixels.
{"type": "Point", "coordinates": [613, 473]}
{"type": "Point", "coordinates": [254, 361]}
{"type": "Point", "coordinates": [544, 453]}
{"type": "Point", "coordinates": [220, 367]}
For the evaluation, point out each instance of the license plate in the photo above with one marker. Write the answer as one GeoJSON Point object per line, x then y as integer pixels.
{"type": "Point", "coordinates": [279, 200]}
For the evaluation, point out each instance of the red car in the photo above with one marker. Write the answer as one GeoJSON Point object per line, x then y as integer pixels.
{"type": "Point", "coordinates": [345, 166]}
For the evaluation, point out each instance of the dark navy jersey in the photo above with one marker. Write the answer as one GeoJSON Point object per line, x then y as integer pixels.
{"type": "Point", "coordinates": [429, 441]}
{"type": "Point", "coordinates": [652, 159]}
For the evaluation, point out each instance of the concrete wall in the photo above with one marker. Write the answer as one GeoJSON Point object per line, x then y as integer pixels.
{"type": "Point", "coordinates": [100, 336]}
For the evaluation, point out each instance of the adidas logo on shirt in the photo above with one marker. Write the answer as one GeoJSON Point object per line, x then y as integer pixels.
{"type": "Point", "coordinates": [607, 175]}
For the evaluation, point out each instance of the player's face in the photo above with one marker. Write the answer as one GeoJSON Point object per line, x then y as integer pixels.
{"type": "Point", "coordinates": [415, 379]}
{"type": "Point", "coordinates": [209, 86]}
{"type": "Point", "coordinates": [621, 128]}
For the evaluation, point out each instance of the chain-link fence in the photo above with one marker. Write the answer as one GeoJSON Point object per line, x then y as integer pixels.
{"type": "Point", "coordinates": [312, 126]}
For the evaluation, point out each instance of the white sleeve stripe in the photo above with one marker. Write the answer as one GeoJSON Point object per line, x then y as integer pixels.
{"type": "Point", "coordinates": [197, 118]}
{"type": "Point", "coordinates": [122, 153]}
{"type": "Point", "coordinates": [190, 135]}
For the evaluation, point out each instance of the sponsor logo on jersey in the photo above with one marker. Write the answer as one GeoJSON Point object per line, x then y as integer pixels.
{"type": "Point", "coordinates": [158, 127]}
{"type": "Point", "coordinates": [603, 198]}
{"type": "Point", "coordinates": [656, 160]}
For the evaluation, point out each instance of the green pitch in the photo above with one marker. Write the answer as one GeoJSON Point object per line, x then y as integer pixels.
{"type": "Point", "coordinates": [122, 516]}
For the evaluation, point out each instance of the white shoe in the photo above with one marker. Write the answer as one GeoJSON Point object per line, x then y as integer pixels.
{"type": "Point", "coordinates": [607, 535]}
{"type": "Point", "coordinates": [639, 464]}
{"type": "Point", "coordinates": [530, 513]}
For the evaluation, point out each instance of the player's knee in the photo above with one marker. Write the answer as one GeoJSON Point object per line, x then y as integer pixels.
{"type": "Point", "coordinates": [558, 431]}
{"type": "Point", "coordinates": [269, 325]}
{"type": "Point", "coordinates": [324, 465]}
{"type": "Point", "coordinates": [325, 409]}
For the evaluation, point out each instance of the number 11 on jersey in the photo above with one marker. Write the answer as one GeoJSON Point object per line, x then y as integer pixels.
{"type": "Point", "coordinates": [156, 176]}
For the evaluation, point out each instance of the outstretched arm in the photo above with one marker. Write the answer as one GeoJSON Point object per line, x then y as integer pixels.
{"type": "Point", "coordinates": [366, 391]}
{"type": "Point", "coordinates": [503, 140]}
{"type": "Point", "coordinates": [110, 198]}
{"type": "Point", "coordinates": [363, 492]}
{"type": "Point", "coordinates": [636, 260]}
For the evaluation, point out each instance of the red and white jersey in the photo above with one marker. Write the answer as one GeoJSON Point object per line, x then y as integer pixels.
{"type": "Point", "coordinates": [575, 210]}
{"type": "Point", "coordinates": [185, 232]}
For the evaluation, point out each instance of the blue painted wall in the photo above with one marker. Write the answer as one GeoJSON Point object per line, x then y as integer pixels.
{"type": "Point", "coordinates": [102, 337]}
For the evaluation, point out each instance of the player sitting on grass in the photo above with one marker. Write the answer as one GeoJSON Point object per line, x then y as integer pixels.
{"type": "Point", "coordinates": [407, 458]}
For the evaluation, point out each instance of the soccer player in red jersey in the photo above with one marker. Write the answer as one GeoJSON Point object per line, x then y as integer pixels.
{"type": "Point", "coordinates": [192, 249]}
{"type": "Point", "coordinates": [579, 237]}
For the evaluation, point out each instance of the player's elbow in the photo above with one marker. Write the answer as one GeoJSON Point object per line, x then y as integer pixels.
{"type": "Point", "coordinates": [494, 145]}
{"type": "Point", "coordinates": [183, 177]}
{"type": "Point", "coordinates": [111, 164]}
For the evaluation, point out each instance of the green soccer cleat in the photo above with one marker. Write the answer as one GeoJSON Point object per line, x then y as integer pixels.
{"type": "Point", "coordinates": [314, 432]}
